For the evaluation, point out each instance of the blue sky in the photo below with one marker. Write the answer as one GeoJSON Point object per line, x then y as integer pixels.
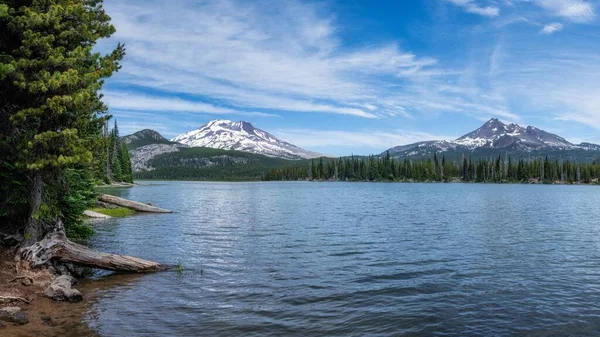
{"type": "Point", "coordinates": [342, 77]}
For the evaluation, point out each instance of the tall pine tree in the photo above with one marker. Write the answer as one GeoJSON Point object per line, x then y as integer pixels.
{"type": "Point", "coordinates": [52, 113]}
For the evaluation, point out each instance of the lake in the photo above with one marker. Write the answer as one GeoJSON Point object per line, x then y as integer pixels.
{"type": "Point", "coordinates": [356, 259]}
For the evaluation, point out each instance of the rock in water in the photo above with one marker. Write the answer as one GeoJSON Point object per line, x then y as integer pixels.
{"type": "Point", "coordinates": [13, 315]}
{"type": "Point", "coordinates": [60, 290]}
{"type": "Point", "coordinates": [95, 215]}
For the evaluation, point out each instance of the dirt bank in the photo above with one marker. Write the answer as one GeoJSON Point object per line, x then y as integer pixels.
{"type": "Point", "coordinates": [45, 316]}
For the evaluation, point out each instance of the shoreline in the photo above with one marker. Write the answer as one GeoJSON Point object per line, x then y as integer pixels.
{"type": "Point", "coordinates": [25, 309]}
{"type": "Point", "coordinates": [116, 185]}
{"type": "Point", "coordinates": [558, 183]}
{"type": "Point", "coordinates": [47, 317]}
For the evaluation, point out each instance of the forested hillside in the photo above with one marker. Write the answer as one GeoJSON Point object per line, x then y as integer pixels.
{"type": "Point", "coordinates": [201, 163]}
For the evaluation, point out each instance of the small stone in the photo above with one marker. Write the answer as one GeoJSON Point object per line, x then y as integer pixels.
{"type": "Point", "coordinates": [10, 310]}
{"type": "Point", "coordinates": [13, 315]}
{"type": "Point", "coordinates": [20, 318]}
{"type": "Point", "coordinates": [60, 290]}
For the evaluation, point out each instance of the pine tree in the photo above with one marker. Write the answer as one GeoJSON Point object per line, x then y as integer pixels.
{"type": "Point", "coordinates": [49, 90]}
{"type": "Point", "coordinates": [126, 169]}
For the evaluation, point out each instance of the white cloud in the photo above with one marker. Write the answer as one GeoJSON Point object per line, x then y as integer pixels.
{"type": "Point", "coordinates": [365, 139]}
{"type": "Point", "coordinates": [574, 10]}
{"type": "Point", "coordinates": [242, 53]}
{"type": "Point", "coordinates": [580, 11]}
{"type": "Point", "coordinates": [558, 82]}
{"type": "Point", "coordinates": [256, 58]}
{"type": "Point", "coordinates": [552, 28]}
{"type": "Point", "coordinates": [138, 102]}
{"type": "Point", "coordinates": [275, 56]}
{"type": "Point", "coordinates": [473, 7]}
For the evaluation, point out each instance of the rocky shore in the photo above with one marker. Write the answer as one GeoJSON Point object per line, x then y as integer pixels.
{"type": "Point", "coordinates": [28, 305]}
{"type": "Point", "coordinates": [42, 301]}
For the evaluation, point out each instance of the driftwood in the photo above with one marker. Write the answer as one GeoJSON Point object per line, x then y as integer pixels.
{"type": "Point", "coordinates": [11, 237]}
{"type": "Point", "coordinates": [137, 206]}
{"type": "Point", "coordinates": [10, 299]}
{"type": "Point", "coordinates": [56, 246]}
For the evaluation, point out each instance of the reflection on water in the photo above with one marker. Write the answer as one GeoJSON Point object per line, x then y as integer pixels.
{"type": "Point", "coordinates": [354, 259]}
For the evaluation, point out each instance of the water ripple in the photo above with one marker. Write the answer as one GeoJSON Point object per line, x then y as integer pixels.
{"type": "Point", "coordinates": [342, 259]}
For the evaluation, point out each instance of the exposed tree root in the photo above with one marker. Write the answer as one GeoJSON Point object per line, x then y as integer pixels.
{"type": "Point", "coordinates": [56, 247]}
{"type": "Point", "coordinates": [11, 299]}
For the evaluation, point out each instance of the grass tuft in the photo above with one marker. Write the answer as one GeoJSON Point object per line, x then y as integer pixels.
{"type": "Point", "coordinates": [114, 212]}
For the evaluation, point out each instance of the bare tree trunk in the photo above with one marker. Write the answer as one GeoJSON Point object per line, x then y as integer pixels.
{"type": "Point", "coordinates": [56, 246]}
{"type": "Point", "coordinates": [34, 228]}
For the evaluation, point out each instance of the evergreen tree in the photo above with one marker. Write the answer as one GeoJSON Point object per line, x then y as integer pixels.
{"type": "Point", "coordinates": [126, 169]}
{"type": "Point", "coordinates": [49, 94]}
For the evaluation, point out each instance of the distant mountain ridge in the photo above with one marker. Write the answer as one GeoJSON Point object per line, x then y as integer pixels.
{"type": "Point", "coordinates": [242, 136]}
{"type": "Point", "coordinates": [144, 137]}
{"type": "Point", "coordinates": [495, 137]}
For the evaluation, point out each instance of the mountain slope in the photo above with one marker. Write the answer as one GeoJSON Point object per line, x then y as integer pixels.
{"type": "Point", "coordinates": [144, 137]}
{"type": "Point", "coordinates": [242, 136]}
{"type": "Point", "coordinates": [496, 138]}
{"type": "Point", "coordinates": [202, 163]}
{"type": "Point", "coordinates": [146, 144]}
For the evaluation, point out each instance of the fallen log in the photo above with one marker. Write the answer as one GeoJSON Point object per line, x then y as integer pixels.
{"type": "Point", "coordinates": [137, 206]}
{"type": "Point", "coordinates": [56, 246]}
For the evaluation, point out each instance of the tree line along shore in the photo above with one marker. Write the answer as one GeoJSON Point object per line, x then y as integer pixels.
{"type": "Point", "coordinates": [438, 169]}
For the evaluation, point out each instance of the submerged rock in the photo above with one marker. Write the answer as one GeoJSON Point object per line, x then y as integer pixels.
{"type": "Point", "coordinates": [13, 315]}
{"type": "Point", "coordinates": [61, 290]}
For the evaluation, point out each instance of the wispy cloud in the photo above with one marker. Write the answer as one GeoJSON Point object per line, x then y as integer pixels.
{"type": "Point", "coordinates": [552, 28]}
{"type": "Point", "coordinates": [138, 102]}
{"type": "Point", "coordinates": [373, 140]}
{"type": "Point", "coordinates": [573, 10]}
{"type": "Point", "coordinates": [285, 56]}
{"type": "Point", "coordinates": [474, 7]}
{"type": "Point", "coordinates": [580, 11]}
{"type": "Point", "coordinates": [565, 80]}
{"type": "Point", "coordinates": [274, 57]}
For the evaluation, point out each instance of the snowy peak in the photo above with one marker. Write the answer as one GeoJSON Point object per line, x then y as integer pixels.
{"type": "Point", "coordinates": [496, 134]}
{"type": "Point", "coordinates": [494, 128]}
{"type": "Point", "coordinates": [241, 136]}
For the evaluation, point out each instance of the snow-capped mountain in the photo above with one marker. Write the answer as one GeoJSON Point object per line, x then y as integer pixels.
{"type": "Point", "coordinates": [241, 136]}
{"type": "Point", "coordinates": [496, 137]}
{"type": "Point", "coordinates": [495, 134]}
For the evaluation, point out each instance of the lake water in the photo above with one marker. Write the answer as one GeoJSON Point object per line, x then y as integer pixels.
{"type": "Point", "coordinates": [356, 259]}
